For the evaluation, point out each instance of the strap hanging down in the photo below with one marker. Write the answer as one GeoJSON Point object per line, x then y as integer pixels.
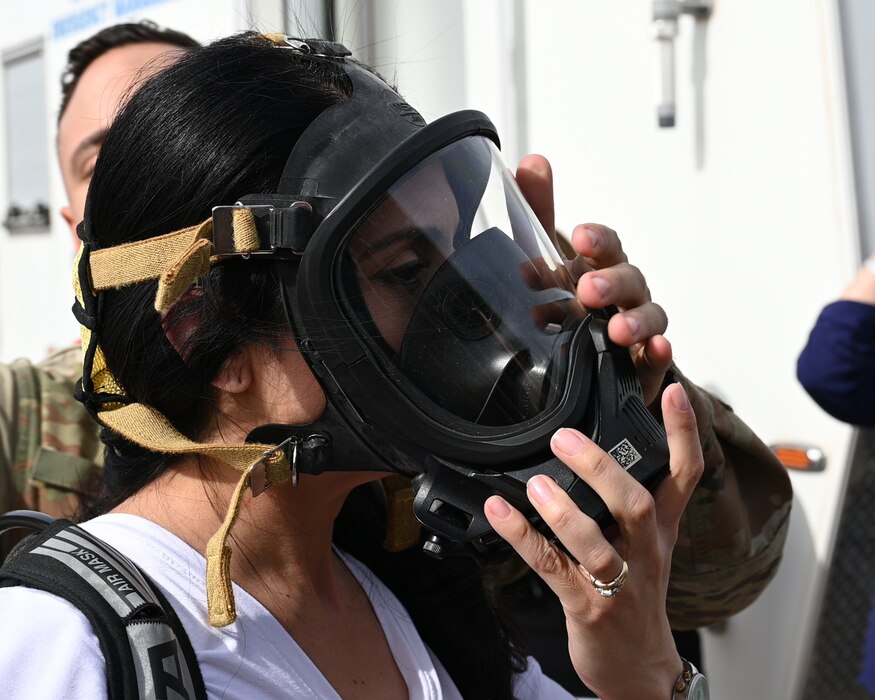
{"type": "Point", "coordinates": [150, 429]}
{"type": "Point", "coordinates": [147, 652]}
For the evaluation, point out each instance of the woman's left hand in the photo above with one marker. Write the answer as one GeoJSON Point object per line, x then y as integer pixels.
{"type": "Point", "coordinates": [605, 277]}
{"type": "Point", "coordinates": [621, 647]}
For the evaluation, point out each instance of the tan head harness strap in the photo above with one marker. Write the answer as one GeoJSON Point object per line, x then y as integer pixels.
{"type": "Point", "coordinates": [177, 260]}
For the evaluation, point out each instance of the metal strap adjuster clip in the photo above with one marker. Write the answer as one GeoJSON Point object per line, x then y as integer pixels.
{"type": "Point", "coordinates": [258, 480]}
{"type": "Point", "coordinates": [312, 47]}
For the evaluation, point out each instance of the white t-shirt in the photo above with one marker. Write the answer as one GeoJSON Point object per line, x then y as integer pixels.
{"type": "Point", "coordinates": [48, 649]}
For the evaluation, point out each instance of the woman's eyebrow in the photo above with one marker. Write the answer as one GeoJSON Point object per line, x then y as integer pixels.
{"type": "Point", "coordinates": [390, 239]}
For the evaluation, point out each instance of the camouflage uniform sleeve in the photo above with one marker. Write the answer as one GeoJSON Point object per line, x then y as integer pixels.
{"type": "Point", "coordinates": [51, 452]}
{"type": "Point", "coordinates": [7, 434]}
{"type": "Point", "coordinates": [732, 532]}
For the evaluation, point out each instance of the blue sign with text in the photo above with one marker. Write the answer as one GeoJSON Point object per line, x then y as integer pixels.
{"type": "Point", "coordinates": [83, 18]}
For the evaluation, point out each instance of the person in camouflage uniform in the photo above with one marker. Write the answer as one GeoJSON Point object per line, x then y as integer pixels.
{"type": "Point", "coordinates": [731, 536]}
{"type": "Point", "coordinates": [50, 451]}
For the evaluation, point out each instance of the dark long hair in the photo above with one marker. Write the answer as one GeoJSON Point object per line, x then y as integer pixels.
{"type": "Point", "coordinates": [216, 125]}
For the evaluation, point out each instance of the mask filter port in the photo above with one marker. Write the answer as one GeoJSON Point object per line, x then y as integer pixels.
{"type": "Point", "coordinates": [451, 514]}
{"type": "Point", "coordinates": [436, 546]}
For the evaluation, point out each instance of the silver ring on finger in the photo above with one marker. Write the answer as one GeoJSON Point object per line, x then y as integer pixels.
{"type": "Point", "coordinates": [610, 589]}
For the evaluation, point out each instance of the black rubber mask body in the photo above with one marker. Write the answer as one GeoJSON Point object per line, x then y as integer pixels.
{"type": "Point", "coordinates": [464, 393]}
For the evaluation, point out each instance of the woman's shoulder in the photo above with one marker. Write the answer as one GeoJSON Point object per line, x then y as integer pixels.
{"type": "Point", "coordinates": [165, 556]}
{"type": "Point", "coordinates": [86, 586]}
{"type": "Point", "coordinates": [38, 626]}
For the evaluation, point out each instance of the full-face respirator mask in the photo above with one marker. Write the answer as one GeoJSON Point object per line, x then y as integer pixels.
{"type": "Point", "coordinates": [432, 307]}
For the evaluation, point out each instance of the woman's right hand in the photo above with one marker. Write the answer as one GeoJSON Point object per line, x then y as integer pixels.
{"type": "Point", "coordinates": [621, 647]}
{"type": "Point", "coordinates": [605, 277]}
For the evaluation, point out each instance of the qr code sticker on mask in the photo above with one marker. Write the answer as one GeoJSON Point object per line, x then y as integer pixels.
{"type": "Point", "coordinates": [625, 454]}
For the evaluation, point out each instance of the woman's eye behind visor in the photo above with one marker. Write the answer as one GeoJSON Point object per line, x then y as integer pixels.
{"type": "Point", "coordinates": [454, 283]}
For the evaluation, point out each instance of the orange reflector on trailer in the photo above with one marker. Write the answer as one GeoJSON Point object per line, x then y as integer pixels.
{"type": "Point", "coordinates": [800, 457]}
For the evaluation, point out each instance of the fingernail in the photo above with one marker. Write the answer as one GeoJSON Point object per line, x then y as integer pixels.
{"type": "Point", "coordinates": [567, 441]}
{"type": "Point", "coordinates": [634, 326]}
{"type": "Point", "coordinates": [593, 238]}
{"type": "Point", "coordinates": [498, 507]}
{"type": "Point", "coordinates": [539, 489]}
{"type": "Point", "coordinates": [679, 398]}
{"type": "Point", "coordinates": [601, 285]}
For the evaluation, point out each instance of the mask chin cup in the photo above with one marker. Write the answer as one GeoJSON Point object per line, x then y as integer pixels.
{"type": "Point", "coordinates": [449, 496]}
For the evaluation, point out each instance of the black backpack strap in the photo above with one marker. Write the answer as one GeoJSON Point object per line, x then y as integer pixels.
{"type": "Point", "coordinates": [147, 652]}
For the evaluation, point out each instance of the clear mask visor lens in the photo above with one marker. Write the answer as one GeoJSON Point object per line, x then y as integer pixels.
{"type": "Point", "coordinates": [457, 287]}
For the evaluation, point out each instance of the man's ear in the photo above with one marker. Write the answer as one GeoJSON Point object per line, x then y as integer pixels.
{"type": "Point", "coordinates": [236, 374]}
{"type": "Point", "coordinates": [67, 215]}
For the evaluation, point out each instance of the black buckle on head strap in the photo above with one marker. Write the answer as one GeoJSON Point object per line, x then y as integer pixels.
{"type": "Point", "coordinates": [82, 230]}
{"type": "Point", "coordinates": [280, 228]}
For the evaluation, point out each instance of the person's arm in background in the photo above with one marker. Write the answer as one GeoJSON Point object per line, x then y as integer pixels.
{"type": "Point", "coordinates": [732, 532]}
{"type": "Point", "coordinates": [862, 288]}
{"type": "Point", "coordinates": [50, 450]}
{"type": "Point", "coordinates": [837, 366]}
{"type": "Point", "coordinates": [8, 418]}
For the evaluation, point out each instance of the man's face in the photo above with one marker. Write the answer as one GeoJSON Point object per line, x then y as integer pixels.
{"type": "Point", "coordinates": [94, 104]}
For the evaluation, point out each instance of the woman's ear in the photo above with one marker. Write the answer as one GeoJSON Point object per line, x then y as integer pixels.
{"type": "Point", "coordinates": [235, 375]}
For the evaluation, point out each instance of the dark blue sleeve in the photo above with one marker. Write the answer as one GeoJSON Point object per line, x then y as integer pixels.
{"type": "Point", "coordinates": [837, 366]}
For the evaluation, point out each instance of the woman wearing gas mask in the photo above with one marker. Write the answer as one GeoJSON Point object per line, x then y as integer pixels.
{"type": "Point", "coordinates": [289, 287]}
